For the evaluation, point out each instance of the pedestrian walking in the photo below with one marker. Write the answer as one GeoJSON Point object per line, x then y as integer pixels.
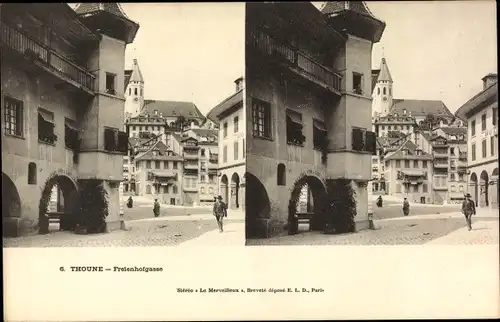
{"type": "Point", "coordinates": [220, 211]}
{"type": "Point", "coordinates": [379, 201]}
{"type": "Point", "coordinates": [130, 202]}
{"type": "Point", "coordinates": [468, 209]}
{"type": "Point", "coordinates": [156, 208]}
{"type": "Point", "coordinates": [406, 207]}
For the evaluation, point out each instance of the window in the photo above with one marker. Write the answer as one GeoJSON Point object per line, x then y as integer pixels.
{"type": "Point", "coordinates": [174, 164]}
{"type": "Point", "coordinates": [202, 152]}
{"type": "Point", "coordinates": [235, 124]}
{"type": "Point", "coordinates": [494, 119]}
{"type": "Point", "coordinates": [407, 163]}
{"type": "Point", "coordinates": [157, 164]}
{"type": "Point", "coordinates": [492, 145]}
{"type": "Point", "coordinates": [483, 122]}
{"type": "Point", "coordinates": [385, 92]}
{"type": "Point", "coordinates": [460, 188]}
{"type": "Point", "coordinates": [473, 154]}
{"type": "Point", "coordinates": [473, 127]}
{"type": "Point", "coordinates": [224, 154]}
{"type": "Point", "coordinates": [202, 178]}
{"type": "Point", "coordinates": [415, 163]}
{"type": "Point", "coordinates": [452, 188]}
{"type": "Point", "coordinates": [32, 173]}
{"type": "Point", "coordinates": [129, 91]}
{"type": "Point", "coordinates": [236, 147]}
{"type": "Point", "coordinates": [319, 135]}
{"type": "Point", "coordinates": [398, 164]}
{"type": "Point", "coordinates": [174, 189]}
{"type": "Point", "coordinates": [115, 141]}
{"type": "Point", "coordinates": [415, 188]}
{"type": "Point", "coordinates": [424, 187]}
{"type": "Point", "coordinates": [110, 84]}
{"type": "Point", "coordinates": [452, 176]}
{"type": "Point", "coordinates": [294, 128]}
{"type": "Point", "coordinates": [243, 148]}
{"type": "Point", "coordinates": [371, 142]}
{"type": "Point", "coordinates": [165, 189]}
{"type": "Point", "coordinates": [378, 91]}
{"type": "Point", "coordinates": [281, 174]}
{"type": "Point", "coordinates": [148, 164]}
{"type": "Point", "coordinates": [148, 189]}
{"type": "Point", "coordinates": [358, 141]}
{"type": "Point", "coordinates": [71, 134]}
{"type": "Point", "coordinates": [46, 126]}
{"type": "Point", "coordinates": [165, 164]}
{"type": "Point", "coordinates": [452, 151]}
{"type": "Point", "coordinates": [224, 130]}
{"type": "Point", "coordinates": [261, 118]}
{"type": "Point", "coordinates": [483, 149]}
{"type": "Point", "coordinates": [357, 83]}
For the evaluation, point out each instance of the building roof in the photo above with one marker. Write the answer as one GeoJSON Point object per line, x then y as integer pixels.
{"type": "Point", "coordinates": [412, 149]}
{"type": "Point", "coordinates": [127, 74]}
{"type": "Point", "coordinates": [360, 7]}
{"type": "Point", "coordinates": [420, 108]}
{"type": "Point", "coordinates": [486, 94]}
{"type": "Point", "coordinates": [163, 150]}
{"type": "Point", "coordinates": [223, 106]}
{"type": "Point", "coordinates": [384, 74]}
{"type": "Point", "coordinates": [110, 7]}
{"type": "Point", "coordinates": [172, 109]}
{"type": "Point", "coordinates": [136, 73]}
{"type": "Point", "coordinates": [454, 130]}
{"type": "Point", "coordinates": [206, 132]}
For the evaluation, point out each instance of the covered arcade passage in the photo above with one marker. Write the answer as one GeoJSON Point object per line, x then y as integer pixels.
{"type": "Point", "coordinates": [11, 207]}
{"type": "Point", "coordinates": [308, 200]}
{"type": "Point", "coordinates": [258, 207]}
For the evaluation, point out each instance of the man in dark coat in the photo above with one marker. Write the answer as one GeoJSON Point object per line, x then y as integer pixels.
{"type": "Point", "coordinates": [220, 211]}
{"type": "Point", "coordinates": [406, 207]}
{"type": "Point", "coordinates": [468, 209]}
{"type": "Point", "coordinates": [156, 208]}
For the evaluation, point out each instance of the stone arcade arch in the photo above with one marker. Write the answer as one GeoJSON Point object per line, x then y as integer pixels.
{"type": "Point", "coordinates": [235, 191]}
{"type": "Point", "coordinates": [68, 207]}
{"type": "Point", "coordinates": [258, 207]}
{"type": "Point", "coordinates": [473, 188]}
{"type": "Point", "coordinates": [224, 189]}
{"type": "Point", "coordinates": [484, 183]}
{"type": "Point", "coordinates": [317, 190]}
{"type": "Point", "coordinates": [496, 188]}
{"type": "Point", "coordinates": [11, 205]}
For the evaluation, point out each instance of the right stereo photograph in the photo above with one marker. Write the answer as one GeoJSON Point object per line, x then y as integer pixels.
{"type": "Point", "coordinates": [334, 158]}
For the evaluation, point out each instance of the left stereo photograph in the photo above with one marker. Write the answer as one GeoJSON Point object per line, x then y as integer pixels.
{"type": "Point", "coordinates": [122, 124]}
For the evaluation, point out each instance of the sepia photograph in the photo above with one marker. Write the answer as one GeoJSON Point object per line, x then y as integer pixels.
{"type": "Point", "coordinates": [111, 131]}
{"type": "Point", "coordinates": [351, 143]}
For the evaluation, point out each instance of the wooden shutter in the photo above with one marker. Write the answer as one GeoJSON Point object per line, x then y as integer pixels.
{"type": "Point", "coordinates": [371, 143]}
{"type": "Point", "coordinates": [109, 140]}
{"type": "Point", "coordinates": [122, 142]}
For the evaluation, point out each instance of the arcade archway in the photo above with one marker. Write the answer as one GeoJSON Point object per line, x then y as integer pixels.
{"type": "Point", "coordinates": [484, 185]}
{"type": "Point", "coordinates": [473, 188]}
{"type": "Point", "coordinates": [235, 191]}
{"type": "Point", "coordinates": [258, 207]}
{"type": "Point", "coordinates": [224, 188]}
{"type": "Point", "coordinates": [496, 188]}
{"type": "Point", "coordinates": [67, 207]}
{"type": "Point", "coordinates": [316, 201]}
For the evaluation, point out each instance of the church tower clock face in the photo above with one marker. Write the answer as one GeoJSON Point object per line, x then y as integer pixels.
{"type": "Point", "coordinates": [136, 99]}
{"type": "Point", "coordinates": [384, 99]}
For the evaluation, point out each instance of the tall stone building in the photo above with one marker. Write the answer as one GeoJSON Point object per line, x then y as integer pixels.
{"type": "Point", "coordinates": [308, 106]}
{"type": "Point", "coordinates": [63, 108]}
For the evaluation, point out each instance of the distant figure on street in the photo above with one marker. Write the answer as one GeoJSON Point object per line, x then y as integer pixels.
{"type": "Point", "coordinates": [406, 207]}
{"type": "Point", "coordinates": [468, 209]}
{"type": "Point", "coordinates": [130, 202]}
{"type": "Point", "coordinates": [220, 211]}
{"type": "Point", "coordinates": [156, 208]}
{"type": "Point", "coordinates": [379, 201]}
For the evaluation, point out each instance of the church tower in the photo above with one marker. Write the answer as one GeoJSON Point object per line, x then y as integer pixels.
{"type": "Point", "coordinates": [134, 93]}
{"type": "Point", "coordinates": [382, 92]}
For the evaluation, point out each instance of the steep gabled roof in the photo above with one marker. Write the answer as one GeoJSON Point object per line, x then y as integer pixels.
{"type": "Point", "coordinates": [454, 130]}
{"type": "Point", "coordinates": [233, 100]}
{"type": "Point", "coordinates": [412, 152]}
{"type": "Point", "coordinates": [160, 147]}
{"type": "Point", "coordinates": [172, 109]}
{"type": "Point", "coordinates": [384, 74]}
{"type": "Point", "coordinates": [421, 108]}
{"type": "Point", "coordinates": [111, 7]}
{"type": "Point", "coordinates": [360, 7]}
{"type": "Point", "coordinates": [136, 75]}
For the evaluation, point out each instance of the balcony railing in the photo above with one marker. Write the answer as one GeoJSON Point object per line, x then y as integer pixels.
{"type": "Point", "coordinates": [188, 165]}
{"type": "Point", "coordinates": [34, 49]}
{"type": "Point", "coordinates": [296, 59]}
{"type": "Point", "coordinates": [189, 156]}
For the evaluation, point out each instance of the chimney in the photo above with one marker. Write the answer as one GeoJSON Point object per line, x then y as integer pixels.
{"type": "Point", "coordinates": [489, 79]}
{"type": "Point", "coordinates": [239, 84]}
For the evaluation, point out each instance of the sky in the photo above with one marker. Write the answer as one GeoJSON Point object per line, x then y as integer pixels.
{"type": "Point", "coordinates": [188, 51]}
{"type": "Point", "coordinates": [437, 50]}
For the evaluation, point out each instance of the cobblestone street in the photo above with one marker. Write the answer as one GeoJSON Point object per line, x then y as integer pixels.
{"type": "Point", "coordinates": [412, 230]}
{"type": "Point", "coordinates": [167, 230]}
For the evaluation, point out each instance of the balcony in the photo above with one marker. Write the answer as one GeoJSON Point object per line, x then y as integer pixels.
{"type": "Point", "coordinates": [298, 62]}
{"type": "Point", "coordinates": [462, 156]}
{"type": "Point", "coordinates": [189, 156]}
{"type": "Point", "coordinates": [191, 165]}
{"type": "Point", "coordinates": [441, 165]}
{"type": "Point", "coordinates": [440, 153]}
{"type": "Point", "coordinates": [46, 58]}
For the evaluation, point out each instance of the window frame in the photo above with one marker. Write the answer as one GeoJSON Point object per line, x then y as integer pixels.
{"type": "Point", "coordinates": [17, 116]}
{"type": "Point", "coordinates": [50, 138]}
{"type": "Point", "coordinates": [111, 91]}
{"type": "Point", "coordinates": [261, 119]}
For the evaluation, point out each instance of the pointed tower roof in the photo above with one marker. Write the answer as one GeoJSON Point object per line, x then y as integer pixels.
{"type": "Point", "coordinates": [384, 74]}
{"type": "Point", "coordinates": [111, 7]}
{"type": "Point", "coordinates": [331, 7]}
{"type": "Point", "coordinates": [136, 73]}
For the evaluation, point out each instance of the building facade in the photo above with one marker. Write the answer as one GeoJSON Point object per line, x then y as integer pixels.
{"type": "Point", "coordinates": [62, 119]}
{"type": "Point", "coordinates": [481, 115]}
{"type": "Point", "coordinates": [308, 98]}
{"type": "Point", "coordinates": [230, 117]}
{"type": "Point", "coordinates": [409, 173]}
